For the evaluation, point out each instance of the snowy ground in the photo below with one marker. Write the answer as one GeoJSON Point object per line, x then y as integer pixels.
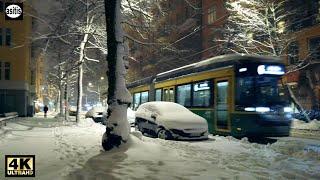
{"type": "Point", "coordinates": [304, 129]}
{"type": "Point", "coordinates": [73, 152]}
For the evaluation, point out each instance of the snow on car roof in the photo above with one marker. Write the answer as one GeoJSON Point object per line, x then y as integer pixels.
{"type": "Point", "coordinates": [161, 107]}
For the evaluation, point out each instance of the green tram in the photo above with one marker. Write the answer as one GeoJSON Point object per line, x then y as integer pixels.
{"type": "Point", "coordinates": [238, 95]}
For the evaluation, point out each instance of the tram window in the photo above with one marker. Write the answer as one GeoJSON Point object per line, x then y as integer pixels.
{"type": "Point", "coordinates": [202, 94]}
{"type": "Point", "coordinates": [158, 94]}
{"type": "Point", "coordinates": [136, 100]}
{"type": "Point", "coordinates": [184, 95]}
{"type": "Point", "coordinates": [171, 95]}
{"type": "Point", "coordinates": [259, 91]}
{"type": "Point", "coordinates": [166, 95]}
{"type": "Point", "coordinates": [144, 97]}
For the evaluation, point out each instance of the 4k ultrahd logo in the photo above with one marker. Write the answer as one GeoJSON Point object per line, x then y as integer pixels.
{"type": "Point", "coordinates": [14, 11]}
{"type": "Point", "coordinates": [20, 165]}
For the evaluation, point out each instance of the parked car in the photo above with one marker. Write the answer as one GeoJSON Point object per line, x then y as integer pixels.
{"type": "Point", "coordinates": [72, 110]}
{"type": "Point", "coordinates": [168, 120]}
{"type": "Point", "coordinates": [96, 113]}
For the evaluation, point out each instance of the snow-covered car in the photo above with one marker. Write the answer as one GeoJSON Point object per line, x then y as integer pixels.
{"type": "Point", "coordinates": [131, 117]}
{"type": "Point", "coordinates": [72, 110]}
{"type": "Point", "coordinates": [96, 113]}
{"type": "Point", "coordinates": [168, 120]}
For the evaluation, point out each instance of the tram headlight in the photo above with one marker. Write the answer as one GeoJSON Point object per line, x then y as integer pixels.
{"type": "Point", "coordinates": [257, 109]}
{"type": "Point", "coordinates": [250, 109]}
{"type": "Point", "coordinates": [287, 109]}
{"type": "Point", "coordinates": [262, 109]}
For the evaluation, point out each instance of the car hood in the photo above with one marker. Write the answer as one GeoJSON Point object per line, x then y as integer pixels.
{"type": "Point", "coordinates": [182, 121]}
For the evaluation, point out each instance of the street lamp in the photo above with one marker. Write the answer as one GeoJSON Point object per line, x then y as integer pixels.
{"type": "Point", "coordinates": [102, 78]}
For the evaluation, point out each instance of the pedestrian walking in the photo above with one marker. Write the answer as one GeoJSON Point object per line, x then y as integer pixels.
{"type": "Point", "coordinates": [45, 109]}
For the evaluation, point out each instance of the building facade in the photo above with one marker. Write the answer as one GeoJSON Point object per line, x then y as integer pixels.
{"type": "Point", "coordinates": [15, 62]}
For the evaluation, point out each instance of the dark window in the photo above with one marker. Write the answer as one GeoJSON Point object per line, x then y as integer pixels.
{"type": "Point", "coordinates": [305, 13]}
{"type": "Point", "coordinates": [0, 70]}
{"type": "Point", "coordinates": [184, 95]}
{"type": "Point", "coordinates": [1, 39]}
{"type": "Point", "coordinates": [32, 78]}
{"type": "Point", "coordinates": [7, 68]}
{"type": "Point", "coordinates": [202, 94]}
{"type": "Point", "coordinates": [8, 37]}
{"type": "Point", "coordinates": [293, 52]}
{"type": "Point", "coordinates": [1, 6]}
{"type": "Point", "coordinates": [314, 48]}
{"type": "Point", "coordinates": [144, 97]}
{"type": "Point", "coordinates": [158, 94]}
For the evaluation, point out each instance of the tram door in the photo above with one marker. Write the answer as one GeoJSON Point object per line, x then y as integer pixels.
{"type": "Point", "coordinates": [222, 104]}
{"type": "Point", "coordinates": [168, 94]}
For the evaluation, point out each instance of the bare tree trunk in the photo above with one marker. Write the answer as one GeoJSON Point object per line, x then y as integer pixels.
{"type": "Point", "coordinates": [79, 94]}
{"type": "Point", "coordinates": [80, 76]}
{"type": "Point", "coordinates": [66, 97]}
{"type": "Point", "coordinates": [314, 99]}
{"type": "Point", "coordinates": [117, 126]}
{"type": "Point", "coordinates": [296, 102]}
{"type": "Point", "coordinates": [61, 98]}
{"type": "Point", "coordinates": [57, 102]}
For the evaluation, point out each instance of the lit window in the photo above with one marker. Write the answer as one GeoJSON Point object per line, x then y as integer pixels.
{"type": "Point", "coordinates": [184, 95]}
{"type": "Point", "coordinates": [136, 100]}
{"type": "Point", "coordinates": [144, 97]}
{"type": "Point", "coordinates": [211, 15]}
{"type": "Point", "coordinates": [158, 94]}
{"type": "Point", "coordinates": [7, 71]}
{"type": "Point", "coordinates": [202, 94]}
{"type": "Point", "coordinates": [8, 37]}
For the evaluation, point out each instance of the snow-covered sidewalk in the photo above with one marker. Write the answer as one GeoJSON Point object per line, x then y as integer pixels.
{"type": "Point", "coordinates": [306, 129]}
{"type": "Point", "coordinates": [69, 151]}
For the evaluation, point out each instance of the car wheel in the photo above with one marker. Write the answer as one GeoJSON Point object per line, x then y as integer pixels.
{"type": "Point", "coordinates": [164, 134]}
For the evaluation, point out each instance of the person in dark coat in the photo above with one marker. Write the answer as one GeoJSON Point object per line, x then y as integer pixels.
{"type": "Point", "coordinates": [45, 109]}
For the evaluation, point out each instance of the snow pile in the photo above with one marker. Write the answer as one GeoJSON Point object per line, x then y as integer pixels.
{"type": "Point", "coordinates": [73, 152]}
{"type": "Point", "coordinates": [59, 147]}
{"type": "Point", "coordinates": [312, 125]}
{"type": "Point", "coordinates": [217, 158]}
{"type": "Point", "coordinates": [131, 115]}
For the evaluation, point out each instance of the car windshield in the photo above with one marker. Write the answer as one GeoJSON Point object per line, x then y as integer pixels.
{"type": "Point", "coordinates": [263, 91]}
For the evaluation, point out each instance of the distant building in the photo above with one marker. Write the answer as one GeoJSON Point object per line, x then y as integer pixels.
{"type": "Point", "coordinates": [214, 15]}
{"type": "Point", "coordinates": [15, 64]}
{"type": "Point", "coordinates": [304, 52]}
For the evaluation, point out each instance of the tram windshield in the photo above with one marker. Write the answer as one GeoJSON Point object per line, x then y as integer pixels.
{"type": "Point", "coordinates": [259, 91]}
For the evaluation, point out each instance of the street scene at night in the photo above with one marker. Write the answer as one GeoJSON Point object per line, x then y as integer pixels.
{"type": "Point", "coordinates": [159, 89]}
